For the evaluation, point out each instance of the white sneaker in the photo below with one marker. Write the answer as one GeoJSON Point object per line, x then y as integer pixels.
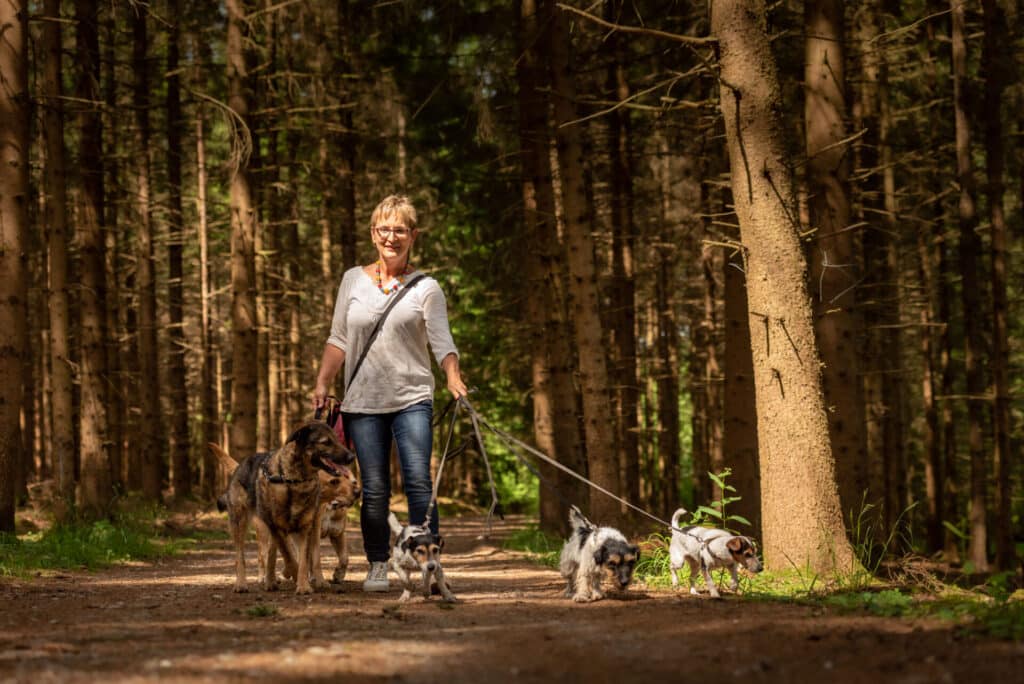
{"type": "Point", "coordinates": [376, 577]}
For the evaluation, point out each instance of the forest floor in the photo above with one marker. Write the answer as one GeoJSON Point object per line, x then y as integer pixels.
{"type": "Point", "coordinates": [177, 619]}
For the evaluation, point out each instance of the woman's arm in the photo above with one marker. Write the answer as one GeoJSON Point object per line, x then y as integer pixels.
{"type": "Point", "coordinates": [330, 363]}
{"type": "Point", "coordinates": [450, 365]}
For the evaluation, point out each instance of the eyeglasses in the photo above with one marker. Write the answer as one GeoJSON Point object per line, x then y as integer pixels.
{"type": "Point", "coordinates": [386, 232]}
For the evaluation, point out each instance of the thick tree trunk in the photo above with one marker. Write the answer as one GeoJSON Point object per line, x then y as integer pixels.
{"type": "Point", "coordinates": [181, 452]}
{"type": "Point", "coordinates": [243, 233]}
{"type": "Point", "coordinates": [150, 430]}
{"type": "Point", "coordinates": [970, 251]}
{"type": "Point", "coordinates": [14, 168]}
{"type": "Point", "coordinates": [55, 219]}
{"type": "Point", "coordinates": [834, 253]}
{"type": "Point", "coordinates": [583, 291]}
{"type": "Point", "coordinates": [345, 171]}
{"type": "Point", "coordinates": [96, 492]}
{"type": "Point", "coordinates": [799, 499]}
{"type": "Point", "coordinates": [995, 70]}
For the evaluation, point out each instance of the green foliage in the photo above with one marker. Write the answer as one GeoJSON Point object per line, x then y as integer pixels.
{"type": "Point", "coordinates": [84, 545]}
{"type": "Point", "coordinates": [870, 546]}
{"type": "Point", "coordinates": [716, 513]}
{"type": "Point", "coordinates": [652, 568]}
{"type": "Point", "coordinates": [261, 610]}
{"type": "Point", "coordinates": [543, 547]}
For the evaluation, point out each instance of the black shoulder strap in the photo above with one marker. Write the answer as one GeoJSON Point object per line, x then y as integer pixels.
{"type": "Point", "coordinates": [380, 324]}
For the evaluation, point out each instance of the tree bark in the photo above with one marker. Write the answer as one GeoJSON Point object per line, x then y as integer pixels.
{"type": "Point", "coordinates": [181, 452]}
{"type": "Point", "coordinates": [150, 431]}
{"type": "Point", "coordinates": [970, 250]}
{"type": "Point", "coordinates": [622, 326]}
{"type": "Point", "coordinates": [243, 233]}
{"type": "Point", "coordinates": [14, 188]}
{"type": "Point", "coordinates": [799, 499]}
{"type": "Point", "coordinates": [583, 291]}
{"type": "Point", "coordinates": [55, 218]}
{"type": "Point", "coordinates": [96, 492]}
{"type": "Point", "coordinates": [834, 259]}
{"type": "Point", "coordinates": [995, 70]}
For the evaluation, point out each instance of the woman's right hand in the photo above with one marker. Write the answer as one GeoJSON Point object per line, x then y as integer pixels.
{"type": "Point", "coordinates": [319, 396]}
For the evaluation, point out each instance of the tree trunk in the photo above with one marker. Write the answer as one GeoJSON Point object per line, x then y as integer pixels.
{"type": "Point", "coordinates": [348, 229]}
{"type": "Point", "coordinates": [666, 348]}
{"type": "Point", "coordinates": [14, 175]}
{"type": "Point", "coordinates": [181, 452]}
{"type": "Point", "coordinates": [995, 69]}
{"type": "Point", "coordinates": [799, 499]}
{"type": "Point", "coordinates": [150, 430]}
{"type": "Point", "coordinates": [622, 328]}
{"type": "Point", "coordinates": [583, 291]}
{"type": "Point", "coordinates": [96, 491]}
{"type": "Point", "coordinates": [117, 387]}
{"type": "Point", "coordinates": [243, 234]}
{"type": "Point", "coordinates": [211, 484]}
{"type": "Point", "coordinates": [834, 254]}
{"type": "Point", "coordinates": [55, 189]}
{"type": "Point", "coordinates": [970, 249]}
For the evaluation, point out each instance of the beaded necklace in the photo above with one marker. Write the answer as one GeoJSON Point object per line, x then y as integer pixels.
{"type": "Point", "coordinates": [400, 278]}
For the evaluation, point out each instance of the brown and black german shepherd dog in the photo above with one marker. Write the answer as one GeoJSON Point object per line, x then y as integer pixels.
{"type": "Point", "coordinates": [280, 492]}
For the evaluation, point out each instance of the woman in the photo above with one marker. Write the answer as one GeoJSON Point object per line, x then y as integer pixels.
{"type": "Point", "coordinates": [391, 394]}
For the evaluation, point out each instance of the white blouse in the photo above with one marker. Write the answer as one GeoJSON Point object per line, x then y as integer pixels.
{"type": "Point", "coordinates": [396, 372]}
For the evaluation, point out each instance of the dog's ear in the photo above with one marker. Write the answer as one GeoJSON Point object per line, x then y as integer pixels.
{"type": "Point", "coordinates": [301, 436]}
{"type": "Point", "coordinates": [636, 552]}
{"type": "Point", "coordinates": [439, 540]}
{"type": "Point", "coordinates": [736, 544]}
{"type": "Point", "coordinates": [407, 544]}
{"type": "Point", "coordinates": [600, 556]}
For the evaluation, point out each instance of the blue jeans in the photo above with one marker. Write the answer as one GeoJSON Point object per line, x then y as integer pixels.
{"type": "Point", "coordinates": [371, 435]}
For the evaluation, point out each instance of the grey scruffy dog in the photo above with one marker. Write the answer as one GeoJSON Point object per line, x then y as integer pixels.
{"type": "Point", "coordinates": [592, 552]}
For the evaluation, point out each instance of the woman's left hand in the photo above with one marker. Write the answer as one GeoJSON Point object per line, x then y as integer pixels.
{"type": "Point", "coordinates": [456, 386]}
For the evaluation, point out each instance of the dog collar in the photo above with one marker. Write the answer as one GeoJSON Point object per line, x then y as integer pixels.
{"type": "Point", "coordinates": [281, 479]}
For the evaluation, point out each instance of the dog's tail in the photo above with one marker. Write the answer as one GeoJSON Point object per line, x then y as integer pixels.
{"type": "Point", "coordinates": [578, 520]}
{"type": "Point", "coordinates": [225, 457]}
{"type": "Point", "coordinates": [396, 527]}
{"type": "Point", "coordinates": [680, 512]}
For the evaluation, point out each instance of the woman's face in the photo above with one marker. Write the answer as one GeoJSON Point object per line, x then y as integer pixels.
{"type": "Point", "coordinates": [392, 237]}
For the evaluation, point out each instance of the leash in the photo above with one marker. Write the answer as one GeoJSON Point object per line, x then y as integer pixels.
{"type": "Point", "coordinates": [495, 503]}
{"type": "Point", "coordinates": [513, 443]}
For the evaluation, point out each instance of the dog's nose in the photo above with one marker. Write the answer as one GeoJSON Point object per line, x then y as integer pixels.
{"type": "Point", "coordinates": [431, 566]}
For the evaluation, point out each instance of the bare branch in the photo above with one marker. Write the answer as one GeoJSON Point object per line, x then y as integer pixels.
{"type": "Point", "coordinates": [675, 37]}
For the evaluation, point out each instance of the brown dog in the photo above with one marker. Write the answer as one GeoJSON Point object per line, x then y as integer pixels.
{"type": "Point", "coordinates": [333, 521]}
{"type": "Point", "coordinates": [337, 495]}
{"type": "Point", "coordinates": [280, 493]}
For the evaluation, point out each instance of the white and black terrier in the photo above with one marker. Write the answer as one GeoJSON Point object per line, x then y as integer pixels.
{"type": "Point", "coordinates": [592, 552]}
{"type": "Point", "coordinates": [707, 549]}
{"type": "Point", "coordinates": [417, 548]}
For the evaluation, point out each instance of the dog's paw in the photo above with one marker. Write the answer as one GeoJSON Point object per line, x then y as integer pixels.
{"type": "Point", "coordinates": [301, 589]}
{"type": "Point", "coordinates": [693, 590]}
{"type": "Point", "coordinates": [582, 598]}
{"type": "Point", "coordinates": [404, 598]}
{"type": "Point", "coordinates": [240, 589]}
{"type": "Point", "coordinates": [339, 575]}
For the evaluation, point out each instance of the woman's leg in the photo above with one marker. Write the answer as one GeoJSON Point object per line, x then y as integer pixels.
{"type": "Point", "coordinates": [415, 439]}
{"type": "Point", "coordinates": [371, 437]}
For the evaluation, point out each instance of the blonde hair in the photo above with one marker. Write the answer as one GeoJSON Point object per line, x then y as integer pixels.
{"type": "Point", "coordinates": [394, 205]}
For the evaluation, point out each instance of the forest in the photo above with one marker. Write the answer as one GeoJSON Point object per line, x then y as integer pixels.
{"type": "Point", "coordinates": [778, 243]}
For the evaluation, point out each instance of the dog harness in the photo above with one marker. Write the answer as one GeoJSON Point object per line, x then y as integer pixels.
{"type": "Point", "coordinates": [281, 479]}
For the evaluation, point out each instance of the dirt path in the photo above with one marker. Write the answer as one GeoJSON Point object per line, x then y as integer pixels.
{"type": "Point", "coordinates": [178, 620]}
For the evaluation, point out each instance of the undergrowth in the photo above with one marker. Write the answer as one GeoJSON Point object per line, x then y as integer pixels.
{"type": "Point", "coordinates": [987, 610]}
{"type": "Point", "coordinates": [86, 545]}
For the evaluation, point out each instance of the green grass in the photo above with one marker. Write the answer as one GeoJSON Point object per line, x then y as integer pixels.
{"type": "Point", "coordinates": [85, 545]}
{"type": "Point", "coordinates": [544, 548]}
{"type": "Point", "coordinates": [261, 610]}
